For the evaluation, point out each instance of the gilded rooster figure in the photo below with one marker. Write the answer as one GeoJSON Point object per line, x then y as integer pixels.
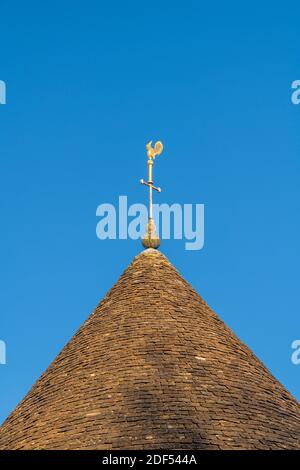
{"type": "Point", "coordinates": [153, 151]}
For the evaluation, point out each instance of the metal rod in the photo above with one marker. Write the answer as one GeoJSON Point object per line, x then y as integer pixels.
{"type": "Point", "coordinates": [150, 201]}
{"type": "Point", "coordinates": [151, 239]}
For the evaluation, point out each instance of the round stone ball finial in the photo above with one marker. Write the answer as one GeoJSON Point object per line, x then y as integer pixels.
{"type": "Point", "coordinates": [151, 238]}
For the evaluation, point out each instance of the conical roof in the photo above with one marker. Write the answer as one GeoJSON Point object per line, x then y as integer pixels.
{"type": "Point", "coordinates": [153, 367]}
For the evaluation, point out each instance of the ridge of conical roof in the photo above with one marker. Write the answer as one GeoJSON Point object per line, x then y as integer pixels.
{"type": "Point", "coordinates": [154, 367]}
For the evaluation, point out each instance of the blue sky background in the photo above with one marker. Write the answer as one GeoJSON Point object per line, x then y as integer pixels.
{"type": "Point", "coordinates": [88, 84]}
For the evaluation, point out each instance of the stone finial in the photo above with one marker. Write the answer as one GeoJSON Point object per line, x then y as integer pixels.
{"type": "Point", "coordinates": [151, 238]}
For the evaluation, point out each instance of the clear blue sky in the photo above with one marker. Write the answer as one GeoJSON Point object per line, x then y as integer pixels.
{"type": "Point", "coordinates": [88, 84]}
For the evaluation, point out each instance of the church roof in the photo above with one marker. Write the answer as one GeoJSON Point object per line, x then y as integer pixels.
{"type": "Point", "coordinates": [154, 367]}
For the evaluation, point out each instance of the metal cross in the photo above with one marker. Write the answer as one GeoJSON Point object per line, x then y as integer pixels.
{"type": "Point", "coordinates": [152, 152]}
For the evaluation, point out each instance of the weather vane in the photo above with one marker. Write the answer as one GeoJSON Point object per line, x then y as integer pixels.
{"type": "Point", "coordinates": [151, 238]}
